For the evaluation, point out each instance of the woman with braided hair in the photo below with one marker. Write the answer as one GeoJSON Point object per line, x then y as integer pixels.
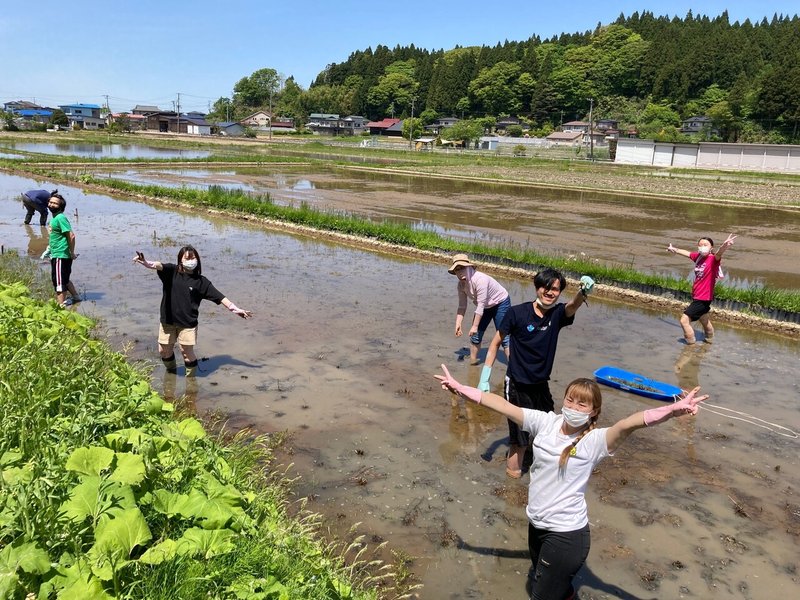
{"type": "Point", "coordinates": [566, 449]}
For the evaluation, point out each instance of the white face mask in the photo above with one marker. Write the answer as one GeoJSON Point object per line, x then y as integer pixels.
{"type": "Point", "coordinates": [704, 250]}
{"type": "Point", "coordinates": [575, 418]}
{"type": "Point", "coordinates": [189, 264]}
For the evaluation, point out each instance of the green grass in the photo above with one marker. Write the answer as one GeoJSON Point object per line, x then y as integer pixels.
{"type": "Point", "coordinates": [103, 494]}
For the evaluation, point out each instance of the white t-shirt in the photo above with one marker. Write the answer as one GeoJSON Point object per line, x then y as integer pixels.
{"type": "Point", "coordinates": [556, 499]}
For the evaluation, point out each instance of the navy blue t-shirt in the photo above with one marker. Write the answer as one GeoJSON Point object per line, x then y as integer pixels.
{"type": "Point", "coordinates": [533, 340]}
{"type": "Point", "coordinates": [40, 198]}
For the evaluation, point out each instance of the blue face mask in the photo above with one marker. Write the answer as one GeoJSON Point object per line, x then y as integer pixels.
{"type": "Point", "coordinates": [190, 264]}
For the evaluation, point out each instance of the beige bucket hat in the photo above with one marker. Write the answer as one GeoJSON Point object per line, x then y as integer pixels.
{"type": "Point", "coordinates": [459, 260]}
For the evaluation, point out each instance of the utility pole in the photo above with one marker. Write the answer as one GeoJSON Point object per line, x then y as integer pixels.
{"type": "Point", "coordinates": [178, 110]}
{"type": "Point", "coordinates": [270, 113]}
{"type": "Point", "coordinates": [591, 130]}
{"type": "Point", "coordinates": [411, 127]}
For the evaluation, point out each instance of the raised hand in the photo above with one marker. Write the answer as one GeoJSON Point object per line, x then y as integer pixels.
{"type": "Point", "coordinates": [686, 405]}
{"type": "Point", "coordinates": [730, 240]}
{"type": "Point", "coordinates": [450, 384]}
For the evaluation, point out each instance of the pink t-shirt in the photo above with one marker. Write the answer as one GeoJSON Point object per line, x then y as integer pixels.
{"type": "Point", "coordinates": [706, 271]}
{"type": "Point", "coordinates": [483, 289]}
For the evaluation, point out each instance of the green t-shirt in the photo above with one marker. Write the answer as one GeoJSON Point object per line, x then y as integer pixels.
{"type": "Point", "coordinates": [59, 237]}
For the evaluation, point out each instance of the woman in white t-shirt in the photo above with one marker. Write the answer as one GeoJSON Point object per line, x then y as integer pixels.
{"type": "Point", "coordinates": [566, 448]}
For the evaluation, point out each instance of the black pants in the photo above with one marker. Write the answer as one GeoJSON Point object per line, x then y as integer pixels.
{"type": "Point", "coordinates": [32, 208]}
{"type": "Point", "coordinates": [556, 558]}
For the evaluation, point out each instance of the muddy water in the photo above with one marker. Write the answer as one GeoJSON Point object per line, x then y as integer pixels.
{"type": "Point", "coordinates": [341, 354]}
{"type": "Point", "coordinates": [612, 229]}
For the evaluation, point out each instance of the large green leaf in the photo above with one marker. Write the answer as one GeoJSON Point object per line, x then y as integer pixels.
{"type": "Point", "coordinates": [206, 543]}
{"type": "Point", "coordinates": [9, 457]}
{"type": "Point", "coordinates": [90, 461]}
{"type": "Point", "coordinates": [162, 552]}
{"type": "Point", "coordinates": [120, 535]}
{"type": "Point", "coordinates": [27, 557]}
{"type": "Point", "coordinates": [85, 587]}
{"type": "Point", "coordinates": [188, 429]}
{"type": "Point", "coordinates": [94, 497]}
{"type": "Point", "coordinates": [171, 504]}
{"type": "Point", "coordinates": [18, 475]}
{"type": "Point", "coordinates": [128, 468]}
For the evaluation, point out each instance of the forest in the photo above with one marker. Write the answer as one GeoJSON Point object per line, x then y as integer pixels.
{"type": "Point", "coordinates": [647, 72]}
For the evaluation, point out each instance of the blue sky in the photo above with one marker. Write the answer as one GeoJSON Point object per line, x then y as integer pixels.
{"type": "Point", "coordinates": [148, 51]}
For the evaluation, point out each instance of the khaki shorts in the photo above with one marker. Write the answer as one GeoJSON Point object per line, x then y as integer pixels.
{"type": "Point", "coordinates": [169, 334]}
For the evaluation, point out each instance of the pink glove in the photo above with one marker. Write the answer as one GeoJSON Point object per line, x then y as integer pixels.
{"type": "Point", "coordinates": [238, 311]}
{"type": "Point", "coordinates": [685, 406]}
{"type": "Point", "coordinates": [448, 383]}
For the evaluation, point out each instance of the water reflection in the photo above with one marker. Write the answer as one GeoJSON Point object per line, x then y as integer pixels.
{"type": "Point", "coordinates": [94, 151]}
{"type": "Point", "coordinates": [39, 238]}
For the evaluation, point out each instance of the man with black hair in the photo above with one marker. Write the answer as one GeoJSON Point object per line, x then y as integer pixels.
{"type": "Point", "coordinates": [62, 250]}
{"type": "Point", "coordinates": [533, 328]}
{"type": "Point", "coordinates": [36, 201]}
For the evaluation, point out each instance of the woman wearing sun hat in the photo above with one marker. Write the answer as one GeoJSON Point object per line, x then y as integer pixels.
{"type": "Point", "coordinates": [491, 302]}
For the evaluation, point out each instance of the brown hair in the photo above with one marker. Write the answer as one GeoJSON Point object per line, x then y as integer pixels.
{"type": "Point", "coordinates": [582, 389]}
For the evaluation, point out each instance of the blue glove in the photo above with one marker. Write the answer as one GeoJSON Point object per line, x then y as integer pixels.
{"type": "Point", "coordinates": [587, 283]}
{"type": "Point", "coordinates": [486, 373]}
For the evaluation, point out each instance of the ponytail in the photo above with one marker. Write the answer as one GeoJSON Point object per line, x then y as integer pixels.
{"type": "Point", "coordinates": [570, 450]}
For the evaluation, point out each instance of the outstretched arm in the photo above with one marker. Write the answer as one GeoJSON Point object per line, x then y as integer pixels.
{"type": "Point", "coordinates": [675, 250]}
{"type": "Point", "coordinates": [619, 432]}
{"type": "Point", "coordinates": [140, 259]}
{"type": "Point", "coordinates": [245, 314]}
{"type": "Point", "coordinates": [493, 401]}
{"type": "Point", "coordinates": [725, 245]}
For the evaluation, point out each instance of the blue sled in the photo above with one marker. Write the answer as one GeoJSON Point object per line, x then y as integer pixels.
{"type": "Point", "coordinates": [636, 384]}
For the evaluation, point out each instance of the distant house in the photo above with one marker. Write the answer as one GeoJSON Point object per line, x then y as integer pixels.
{"type": "Point", "coordinates": [333, 124]}
{"type": "Point", "coordinates": [144, 109]}
{"type": "Point", "coordinates": [171, 122]}
{"type": "Point", "coordinates": [230, 129]}
{"type": "Point", "coordinates": [285, 124]}
{"type": "Point", "coordinates": [159, 121]}
{"type": "Point", "coordinates": [699, 124]}
{"type": "Point", "coordinates": [488, 142]}
{"type": "Point", "coordinates": [84, 116]}
{"type": "Point", "coordinates": [33, 115]}
{"type": "Point", "coordinates": [384, 127]}
{"type": "Point", "coordinates": [322, 123]}
{"type": "Point", "coordinates": [258, 120]}
{"type": "Point", "coordinates": [16, 105]}
{"type": "Point", "coordinates": [134, 122]}
{"type": "Point", "coordinates": [566, 138]}
{"type": "Point", "coordinates": [504, 123]}
{"type": "Point", "coordinates": [607, 125]}
{"type": "Point", "coordinates": [439, 125]}
{"type": "Point", "coordinates": [195, 126]}
{"type": "Point", "coordinates": [352, 125]}
{"type": "Point", "coordinates": [575, 126]}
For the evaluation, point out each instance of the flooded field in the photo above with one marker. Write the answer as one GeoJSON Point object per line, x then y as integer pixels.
{"type": "Point", "coordinates": [614, 229]}
{"type": "Point", "coordinates": [342, 351]}
{"type": "Point", "coordinates": [93, 151]}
